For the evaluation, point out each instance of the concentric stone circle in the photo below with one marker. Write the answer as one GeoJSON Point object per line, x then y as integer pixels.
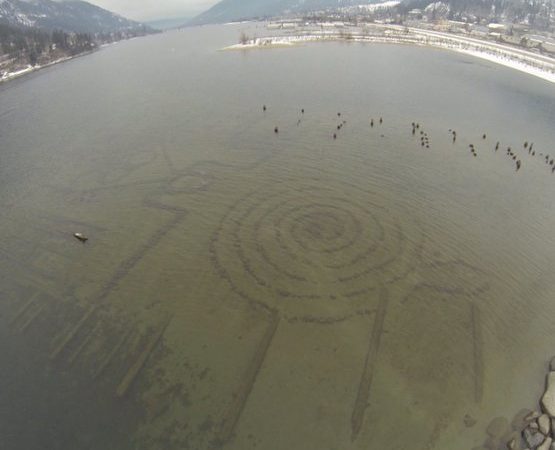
{"type": "Point", "coordinates": [315, 250]}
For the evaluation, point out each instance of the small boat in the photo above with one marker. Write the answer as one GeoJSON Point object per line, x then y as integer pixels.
{"type": "Point", "coordinates": [81, 237]}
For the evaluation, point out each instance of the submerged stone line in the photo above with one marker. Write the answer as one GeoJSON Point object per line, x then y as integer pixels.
{"type": "Point", "coordinates": [361, 403]}
{"type": "Point", "coordinates": [24, 308]}
{"type": "Point", "coordinates": [121, 272]}
{"type": "Point", "coordinates": [127, 265]}
{"type": "Point", "coordinates": [311, 253]}
{"type": "Point", "coordinates": [111, 355]}
{"type": "Point", "coordinates": [83, 344]}
{"type": "Point", "coordinates": [241, 395]}
{"type": "Point", "coordinates": [477, 353]}
{"type": "Point", "coordinates": [137, 366]}
{"type": "Point", "coordinates": [32, 318]}
{"type": "Point", "coordinates": [73, 332]}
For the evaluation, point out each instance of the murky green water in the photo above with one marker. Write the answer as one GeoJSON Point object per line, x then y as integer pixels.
{"type": "Point", "coordinates": [245, 289]}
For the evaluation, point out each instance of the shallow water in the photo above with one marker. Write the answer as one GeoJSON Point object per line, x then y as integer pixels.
{"type": "Point", "coordinates": [245, 289]}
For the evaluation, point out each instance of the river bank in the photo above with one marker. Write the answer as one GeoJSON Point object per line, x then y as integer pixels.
{"type": "Point", "coordinates": [8, 76]}
{"type": "Point", "coordinates": [524, 61]}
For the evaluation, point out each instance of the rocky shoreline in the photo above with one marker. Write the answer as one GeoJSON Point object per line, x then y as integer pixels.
{"type": "Point", "coordinates": [530, 429]}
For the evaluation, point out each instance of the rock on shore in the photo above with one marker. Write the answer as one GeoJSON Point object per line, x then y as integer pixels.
{"type": "Point", "coordinates": [539, 429]}
{"type": "Point", "coordinates": [548, 399]}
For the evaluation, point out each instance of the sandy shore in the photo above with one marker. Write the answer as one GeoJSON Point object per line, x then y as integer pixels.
{"type": "Point", "coordinates": [531, 63]}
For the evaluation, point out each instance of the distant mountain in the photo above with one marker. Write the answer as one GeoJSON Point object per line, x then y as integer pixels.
{"type": "Point", "coordinates": [167, 24]}
{"type": "Point", "coordinates": [235, 10]}
{"type": "Point", "coordinates": [539, 13]}
{"type": "Point", "coordinates": [70, 16]}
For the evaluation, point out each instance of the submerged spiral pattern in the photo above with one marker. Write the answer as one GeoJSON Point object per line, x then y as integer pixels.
{"type": "Point", "coordinates": [315, 251]}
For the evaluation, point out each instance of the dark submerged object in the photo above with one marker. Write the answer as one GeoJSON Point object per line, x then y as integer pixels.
{"type": "Point", "coordinates": [263, 107]}
{"type": "Point", "coordinates": [276, 130]}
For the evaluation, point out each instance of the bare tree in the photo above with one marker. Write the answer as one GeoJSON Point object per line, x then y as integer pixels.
{"type": "Point", "coordinates": [243, 38]}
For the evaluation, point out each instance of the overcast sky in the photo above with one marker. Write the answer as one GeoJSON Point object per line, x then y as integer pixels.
{"type": "Point", "coordinates": [155, 9]}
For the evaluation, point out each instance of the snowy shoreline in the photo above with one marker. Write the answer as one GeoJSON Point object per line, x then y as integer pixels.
{"type": "Point", "coordinates": [30, 69]}
{"type": "Point", "coordinates": [533, 64]}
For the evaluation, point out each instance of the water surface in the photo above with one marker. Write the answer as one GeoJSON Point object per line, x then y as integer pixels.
{"type": "Point", "coordinates": [244, 289]}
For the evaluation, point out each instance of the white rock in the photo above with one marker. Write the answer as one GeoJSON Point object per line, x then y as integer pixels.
{"type": "Point", "coordinates": [532, 415]}
{"type": "Point", "coordinates": [544, 422]}
{"type": "Point", "coordinates": [546, 444]}
{"type": "Point", "coordinates": [533, 437]}
{"type": "Point", "coordinates": [548, 399]}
